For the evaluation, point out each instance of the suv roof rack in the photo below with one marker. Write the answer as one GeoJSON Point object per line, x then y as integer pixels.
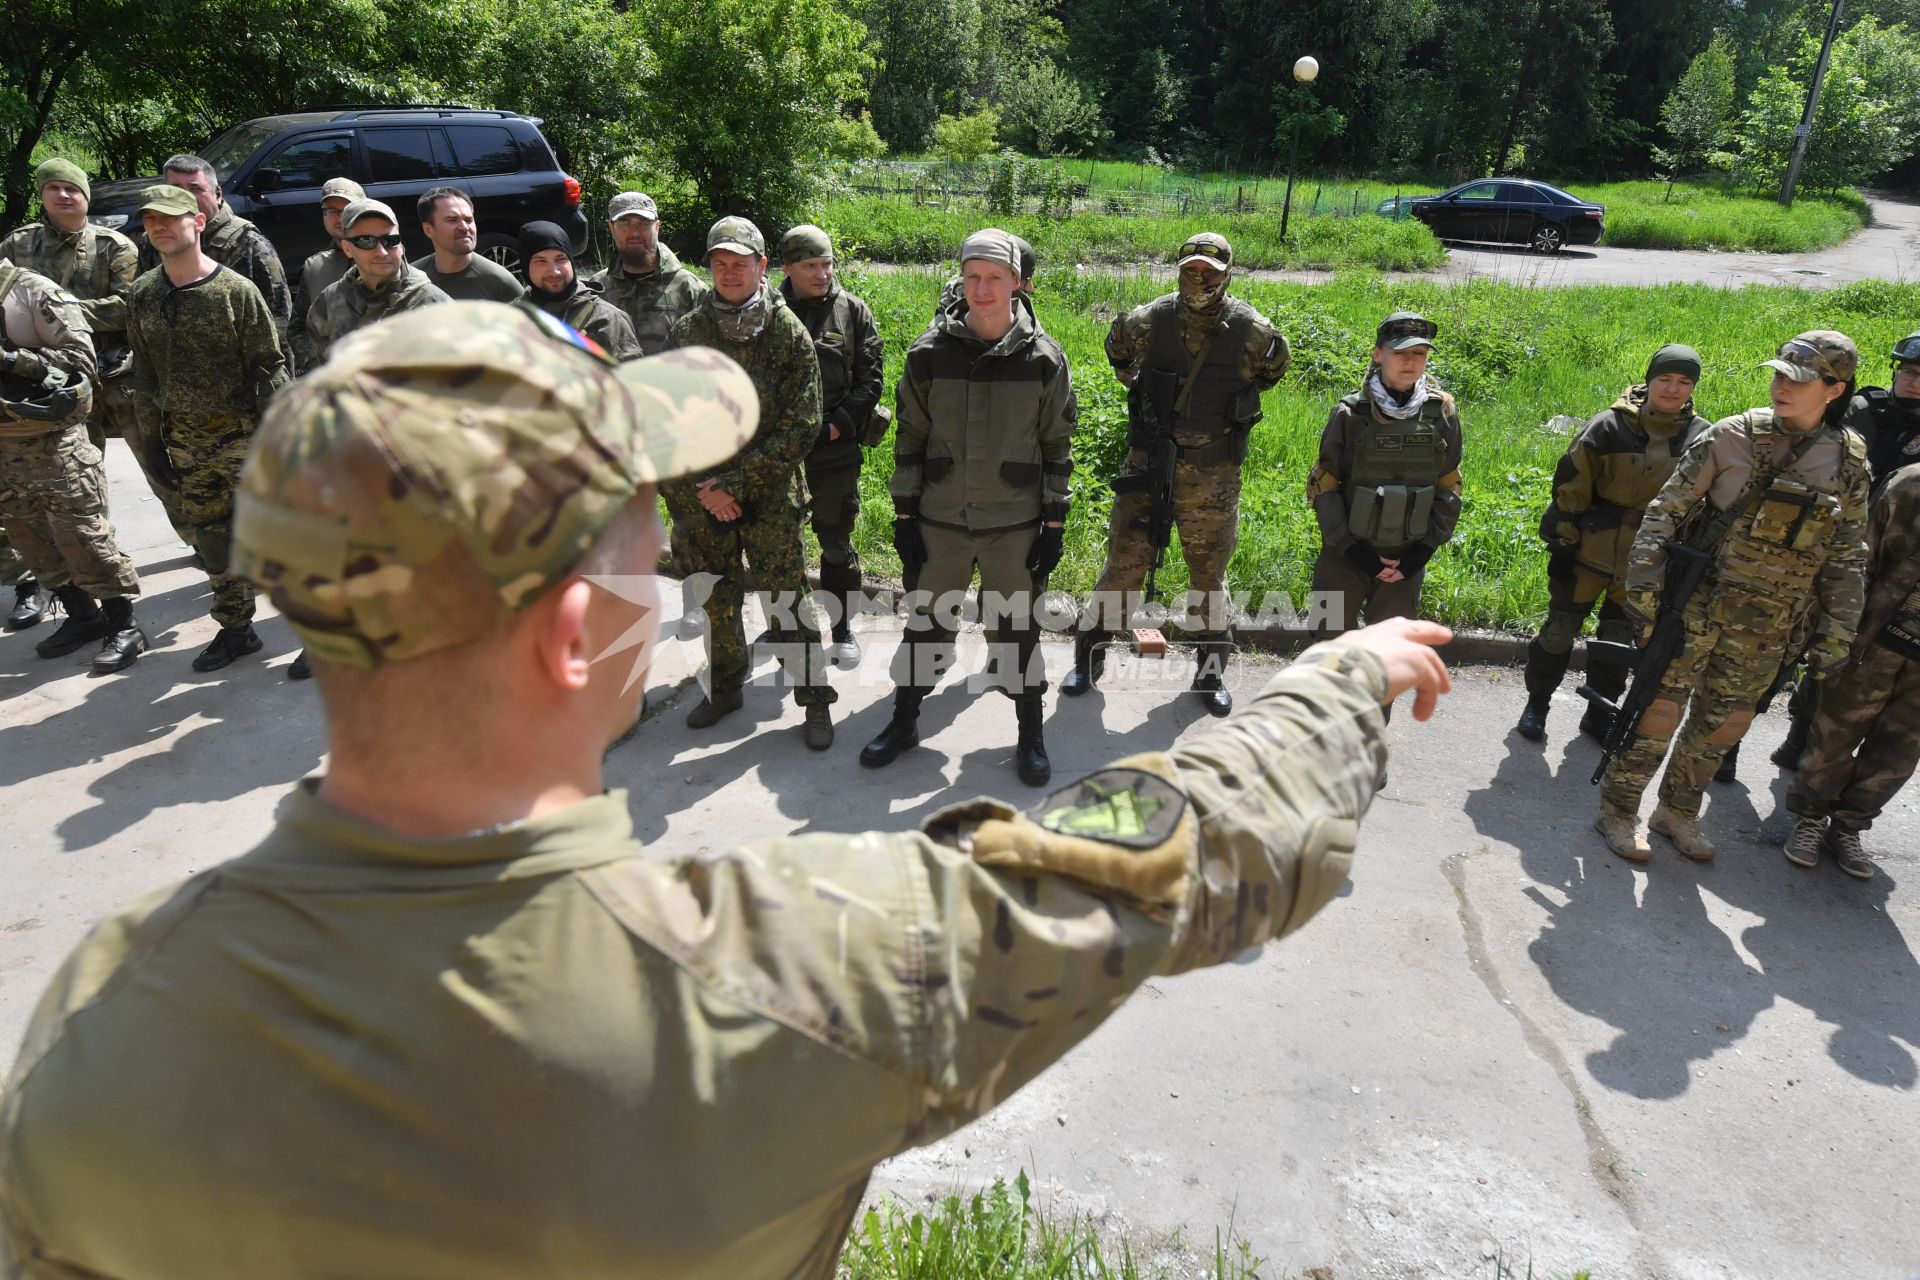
{"type": "Point", "coordinates": [355, 111]}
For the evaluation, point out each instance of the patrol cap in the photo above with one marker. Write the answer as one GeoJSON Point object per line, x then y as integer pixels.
{"type": "Point", "coordinates": [341, 189]}
{"type": "Point", "coordinates": [736, 235]}
{"type": "Point", "coordinates": [1817, 353]}
{"type": "Point", "coordinates": [365, 208]}
{"type": "Point", "coordinates": [1208, 248]}
{"type": "Point", "coordinates": [993, 245]}
{"type": "Point", "coordinates": [166, 198]}
{"type": "Point", "coordinates": [444, 468]}
{"type": "Point", "coordinates": [1405, 329]}
{"type": "Point", "coordinates": [803, 242]}
{"type": "Point", "coordinates": [62, 171]}
{"type": "Point", "coordinates": [632, 204]}
{"type": "Point", "coordinates": [1675, 357]}
{"type": "Point", "coordinates": [1907, 350]}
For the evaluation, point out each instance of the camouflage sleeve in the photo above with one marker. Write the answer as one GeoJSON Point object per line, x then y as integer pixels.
{"type": "Point", "coordinates": [1647, 561]}
{"type": "Point", "coordinates": [1447, 501]}
{"type": "Point", "coordinates": [300, 350]}
{"type": "Point", "coordinates": [1267, 355]}
{"type": "Point", "coordinates": [270, 278]}
{"type": "Point", "coordinates": [1841, 588]}
{"type": "Point", "coordinates": [1127, 345]}
{"type": "Point", "coordinates": [869, 371]}
{"type": "Point", "coordinates": [1325, 481]}
{"type": "Point", "coordinates": [622, 343]}
{"type": "Point", "coordinates": [260, 349]}
{"type": "Point", "coordinates": [108, 314]}
{"type": "Point", "coordinates": [1572, 493]}
{"type": "Point", "coordinates": [1059, 416]}
{"type": "Point", "coordinates": [912, 424]}
{"type": "Point", "coordinates": [64, 339]}
{"type": "Point", "coordinates": [788, 435]}
{"type": "Point", "coordinates": [315, 334]}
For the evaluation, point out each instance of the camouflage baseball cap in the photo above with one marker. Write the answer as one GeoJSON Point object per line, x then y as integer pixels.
{"type": "Point", "coordinates": [1817, 353]}
{"type": "Point", "coordinates": [632, 204]}
{"type": "Point", "coordinates": [1208, 248]}
{"type": "Point", "coordinates": [1405, 329]}
{"type": "Point", "coordinates": [341, 189]}
{"type": "Point", "coordinates": [168, 199]}
{"type": "Point", "coordinates": [803, 242]}
{"type": "Point", "coordinates": [446, 467]}
{"type": "Point", "coordinates": [365, 208]}
{"type": "Point", "coordinates": [737, 235]}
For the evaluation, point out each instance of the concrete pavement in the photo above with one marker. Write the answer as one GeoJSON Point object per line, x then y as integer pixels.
{"type": "Point", "coordinates": [1500, 1042]}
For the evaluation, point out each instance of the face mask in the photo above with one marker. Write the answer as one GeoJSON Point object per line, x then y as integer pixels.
{"type": "Point", "coordinates": [1204, 300]}
{"type": "Point", "coordinates": [742, 322]}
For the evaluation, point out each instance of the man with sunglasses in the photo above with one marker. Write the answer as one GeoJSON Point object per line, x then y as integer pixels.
{"type": "Point", "coordinates": [1194, 363]}
{"type": "Point", "coordinates": [380, 282]}
{"type": "Point", "coordinates": [206, 358]}
{"type": "Point", "coordinates": [321, 269]}
{"type": "Point", "coordinates": [1785, 487]}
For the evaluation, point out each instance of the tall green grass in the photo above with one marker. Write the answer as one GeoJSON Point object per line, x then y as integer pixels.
{"type": "Point", "coordinates": [1707, 216]}
{"type": "Point", "coordinates": [1514, 357]}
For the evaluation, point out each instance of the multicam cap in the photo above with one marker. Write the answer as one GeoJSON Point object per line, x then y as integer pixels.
{"type": "Point", "coordinates": [1405, 329]}
{"type": "Point", "coordinates": [632, 204]}
{"type": "Point", "coordinates": [1817, 353]}
{"type": "Point", "coordinates": [365, 208]}
{"type": "Point", "coordinates": [341, 189]}
{"type": "Point", "coordinates": [1208, 248]}
{"type": "Point", "coordinates": [166, 198]}
{"type": "Point", "coordinates": [737, 235]}
{"type": "Point", "coordinates": [443, 469]}
{"type": "Point", "coordinates": [803, 242]}
{"type": "Point", "coordinates": [993, 245]}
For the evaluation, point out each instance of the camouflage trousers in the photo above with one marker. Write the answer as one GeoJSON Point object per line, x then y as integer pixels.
{"type": "Point", "coordinates": [1864, 741]}
{"type": "Point", "coordinates": [53, 501]}
{"type": "Point", "coordinates": [145, 434]}
{"type": "Point", "coordinates": [767, 543]}
{"type": "Point", "coordinates": [1206, 513]}
{"type": "Point", "coordinates": [1734, 644]}
{"type": "Point", "coordinates": [1354, 599]}
{"type": "Point", "coordinates": [206, 453]}
{"type": "Point", "coordinates": [835, 513]}
{"type": "Point", "coordinates": [1570, 597]}
{"type": "Point", "coordinates": [12, 568]}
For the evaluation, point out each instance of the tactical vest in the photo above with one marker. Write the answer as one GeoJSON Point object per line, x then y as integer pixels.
{"type": "Point", "coordinates": [223, 245]}
{"type": "Point", "coordinates": [1397, 465]}
{"type": "Point", "coordinates": [1896, 437]}
{"type": "Point", "coordinates": [1780, 548]}
{"type": "Point", "coordinates": [832, 343]}
{"type": "Point", "coordinates": [1222, 403]}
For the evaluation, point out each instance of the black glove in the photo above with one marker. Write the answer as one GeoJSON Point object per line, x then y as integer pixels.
{"type": "Point", "coordinates": [1415, 557]}
{"type": "Point", "coordinates": [1364, 559]}
{"type": "Point", "coordinates": [907, 541]}
{"type": "Point", "coordinates": [1044, 554]}
{"type": "Point", "coordinates": [1561, 563]}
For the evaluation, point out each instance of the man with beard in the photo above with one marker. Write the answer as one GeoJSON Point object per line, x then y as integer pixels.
{"type": "Point", "coordinates": [380, 282]}
{"type": "Point", "coordinates": [553, 287]}
{"type": "Point", "coordinates": [745, 513]}
{"type": "Point", "coordinates": [645, 280]}
{"type": "Point", "coordinates": [446, 219]}
{"type": "Point", "coordinates": [321, 269]}
{"type": "Point", "coordinates": [1194, 363]}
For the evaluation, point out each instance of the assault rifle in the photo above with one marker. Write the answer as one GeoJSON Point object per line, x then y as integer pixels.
{"type": "Point", "coordinates": [1150, 413]}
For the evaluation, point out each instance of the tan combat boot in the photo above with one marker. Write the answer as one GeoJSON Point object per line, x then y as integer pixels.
{"type": "Point", "coordinates": [1845, 843]}
{"type": "Point", "coordinates": [1623, 835]}
{"type": "Point", "coordinates": [1803, 844]}
{"type": "Point", "coordinates": [1684, 832]}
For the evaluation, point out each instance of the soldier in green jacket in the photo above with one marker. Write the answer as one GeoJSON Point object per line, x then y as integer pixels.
{"type": "Point", "coordinates": [228, 239]}
{"type": "Point", "coordinates": [645, 279]}
{"type": "Point", "coordinates": [1611, 470]}
{"type": "Point", "coordinates": [553, 287]}
{"type": "Point", "coordinates": [1792, 562]}
{"type": "Point", "coordinates": [852, 362]}
{"type": "Point", "coordinates": [1386, 487]}
{"type": "Point", "coordinates": [380, 283]}
{"type": "Point", "coordinates": [983, 462]}
{"type": "Point", "coordinates": [320, 269]}
{"type": "Point", "coordinates": [450, 1018]}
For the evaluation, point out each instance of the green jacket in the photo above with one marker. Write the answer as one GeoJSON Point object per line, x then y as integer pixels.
{"type": "Point", "coordinates": [852, 367]}
{"type": "Point", "coordinates": [654, 302]}
{"type": "Point", "coordinates": [97, 265]}
{"type": "Point", "coordinates": [232, 241]}
{"type": "Point", "coordinates": [592, 315]}
{"type": "Point", "coordinates": [207, 349]}
{"type": "Point", "coordinates": [316, 275]}
{"type": "Point", "coordinates": [542, 1050]}
{"type": "Point", "coordinates": [983, 434]}
{"type": "Point", "coordinates": [347, 304]}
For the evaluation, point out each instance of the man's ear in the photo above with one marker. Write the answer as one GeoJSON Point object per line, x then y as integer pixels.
{"type": "Point", "coordinates": [564, 651]}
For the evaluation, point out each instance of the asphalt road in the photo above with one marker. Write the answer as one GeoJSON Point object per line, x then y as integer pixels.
{"type": "Point", "coordinates": [1501, 1043]}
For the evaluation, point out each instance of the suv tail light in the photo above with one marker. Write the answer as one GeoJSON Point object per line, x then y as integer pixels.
{"type": "Point", "coordinates": [573, 190]}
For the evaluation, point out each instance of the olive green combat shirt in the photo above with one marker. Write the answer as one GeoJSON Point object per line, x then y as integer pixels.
{"type": "Point", "coordinates": [95, 264]}
{"type": "Point", "coordinates": [534, 1051]}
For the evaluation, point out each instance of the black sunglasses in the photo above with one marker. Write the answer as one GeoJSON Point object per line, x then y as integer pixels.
{"type": "Point", "coordinates": [375, 242]}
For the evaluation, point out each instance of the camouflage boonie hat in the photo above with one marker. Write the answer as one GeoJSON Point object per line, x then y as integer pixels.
{"type": "Point", "coordinates": [736, 235]}
{"type": "Point", "coordinates": [446, 467]}
{"type": "Point", "coordinates": [1817, 353]}
{"type": "Point", "coordinates": [632, 204]}
{"type": "Point", "coordinates": [365, 208]}
{"type": "Point", "coordinates": [1208, 248]}
{"type": "Point", "coordinates": [341, 189]}
{"type": "Point", "coordinates": [803, 242]}
{"type": "Point", "coordinates": [166, 198]}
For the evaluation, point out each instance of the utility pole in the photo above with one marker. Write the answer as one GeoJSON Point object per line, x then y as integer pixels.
{"type": "Point", "coordinates": [1805, 131]}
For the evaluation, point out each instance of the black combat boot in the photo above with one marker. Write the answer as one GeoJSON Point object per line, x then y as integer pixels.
{"type": "Point", "coordinates": [125, 640]}
{"type": "Point", "coordinates": [85, 624]}
{"type": "Point", "coordinates": [1089, 661]}
{"type": "Point", "coordinates": [1544, 673]}
{"type": "Point", "coordinates": [1209, 682]}
{"type": "Point", "coordinates": [1030, 751]}
{"type": "Point", "coordinates": [1729, 765]}
{"type": "Point", "coordinates": [1787, 754]}
{"type": "Point", "coordinates": [902, 731]}
{"type": "Point", "coordinates": [229, 643]}
{"type": "Point", "coordinates": [30, 604]}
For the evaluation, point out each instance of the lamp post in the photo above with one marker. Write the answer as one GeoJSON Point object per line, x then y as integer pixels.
{"type": "Point", "coordinates": [1304, 70]}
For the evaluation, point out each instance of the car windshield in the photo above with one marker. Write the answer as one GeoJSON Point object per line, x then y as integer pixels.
{"type": "Point", "coordinates": [226, 152]}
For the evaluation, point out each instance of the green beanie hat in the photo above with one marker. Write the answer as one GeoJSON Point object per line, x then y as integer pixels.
{"type": "Point", "coordinates": [1674, 358]}
{"type": "Point", "coordinates": [62, 171]}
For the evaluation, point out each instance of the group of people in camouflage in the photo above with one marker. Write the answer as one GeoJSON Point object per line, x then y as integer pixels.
{"type": "Point", "coordinates": [1818, 565]}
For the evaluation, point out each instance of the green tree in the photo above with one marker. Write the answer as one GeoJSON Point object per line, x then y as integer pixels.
{"type": "Point", "coordinates": [1698, 114]}
{"type": "Point", "coordinates": [964, 141]}
{"type": "Point", "coordinates": [1132, 55]}
{"type": "Point", "coordinates": [1048, 114]}
{"type": "Point", "coordinates": [926, 58]}
{"type": "Point", "coordinates": [1865, 123]}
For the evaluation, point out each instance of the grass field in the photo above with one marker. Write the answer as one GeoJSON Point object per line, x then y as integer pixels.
{"type": "Point", "coordinates": [1514, 357]}
{"type": "Point", "coordinates": [1714, 217]}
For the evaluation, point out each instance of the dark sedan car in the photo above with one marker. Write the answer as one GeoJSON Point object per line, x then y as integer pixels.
{"type": "Point", "coordinates": [1512, 211]}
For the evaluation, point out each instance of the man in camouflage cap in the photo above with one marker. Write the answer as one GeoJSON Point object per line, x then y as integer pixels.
{"type": "Point", "coordinates": [466, 1023]}
{"type": "Point", "coordinates": [207, 356]}
{"type": "Point", "coordinates": [321, 269]}
{"type": "Point", "coordinates": [852, 362]}
{"type": "Point", "coordinates": [96, 265]}
{"type": "Point", "coordinates": [1793, 484]}
{"type": "Point", "coordinates": [380, 282]}
{"type": "Point", "coordinates": [228, 238]}
{"type": "Point", "coordinates": [1195, 363]}
{"type": "Point", "coordinates": [53, 490]}
{"type": "Point", "coordinates": [553, 287]}
{"type": "Point", "coordinates": [645, 280]}
{"type": "Point", "coordinates": [744, 515]}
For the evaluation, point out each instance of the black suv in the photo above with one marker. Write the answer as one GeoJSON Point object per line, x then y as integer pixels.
{"type": "Point", "coordinates": [1513, 211]}
{"type": "Point", "coordinates": [272, 169]}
